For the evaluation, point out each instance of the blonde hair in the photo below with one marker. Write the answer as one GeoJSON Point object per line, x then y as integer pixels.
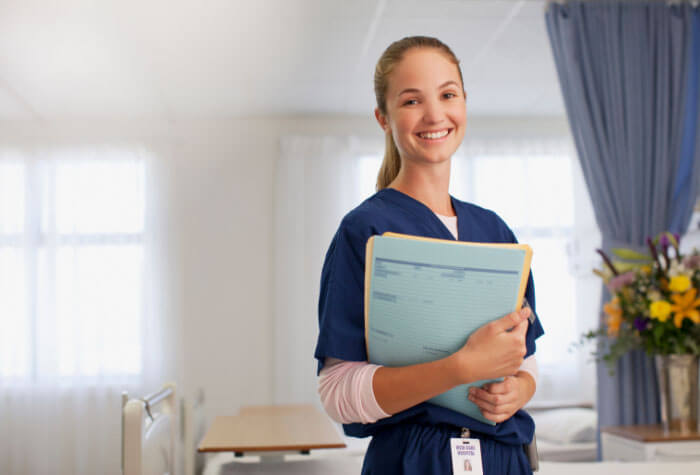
{"type": "Point", "coordinates": [388, 60]}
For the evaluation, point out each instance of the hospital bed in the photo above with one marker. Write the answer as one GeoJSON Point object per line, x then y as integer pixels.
{"type": "Point", "coordinates": [148, 433]}
{"type": "Point", "coordinates": [566, 434]}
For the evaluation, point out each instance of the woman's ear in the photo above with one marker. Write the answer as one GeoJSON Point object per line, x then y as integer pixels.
{"type": "Point", "coordinates": [381, 119]}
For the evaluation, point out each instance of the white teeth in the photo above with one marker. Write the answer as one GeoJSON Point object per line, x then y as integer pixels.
{"type": "Point", "coordinates": [433, 135]}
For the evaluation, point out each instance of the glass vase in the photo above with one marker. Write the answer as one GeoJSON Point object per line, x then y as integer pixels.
{"type": "Point", "coordinates": [677, 377]}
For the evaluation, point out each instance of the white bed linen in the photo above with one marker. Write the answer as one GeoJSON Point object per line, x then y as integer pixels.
{"type": "Point", "coordinates": [573, 452]}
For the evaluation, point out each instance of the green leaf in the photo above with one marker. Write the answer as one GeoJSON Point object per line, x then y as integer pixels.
{"type": "Point", "coordinates": [672, 238]}
{"type": "Point", "coordinates": [623, 267]}
{"type": "Point", "coordinates": [631, 255]}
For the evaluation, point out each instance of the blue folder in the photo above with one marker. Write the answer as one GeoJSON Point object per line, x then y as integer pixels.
{"type": "Point", "coordinates": [424, 297]}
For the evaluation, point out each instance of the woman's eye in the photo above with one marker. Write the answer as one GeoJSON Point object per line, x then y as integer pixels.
{"type": "Point", "coordinates": [449, 95]}
{"type": "Point", "coordinates": [410, 102]}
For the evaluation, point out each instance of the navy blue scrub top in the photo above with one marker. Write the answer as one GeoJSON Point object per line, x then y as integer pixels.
{"type": "Point", "coordinates": [341, 302]}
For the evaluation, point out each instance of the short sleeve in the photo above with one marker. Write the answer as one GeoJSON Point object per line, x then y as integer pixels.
{"type": "Point", "coordinates": [341, 298]}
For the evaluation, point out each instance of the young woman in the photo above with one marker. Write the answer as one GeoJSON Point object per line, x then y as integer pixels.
{"type": "Point", "coordinates": [421, 106]}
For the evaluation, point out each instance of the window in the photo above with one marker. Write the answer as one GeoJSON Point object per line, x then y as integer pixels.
{"type": "Point", "coordinates": [538, 190]}
{"type": "Point", "coordinates": [71, 266]}
{"type": "Point", "coordinates": [535, 197]}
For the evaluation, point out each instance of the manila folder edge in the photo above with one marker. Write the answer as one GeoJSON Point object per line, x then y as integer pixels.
{"type": "Point", "coordinates": [425, 296]}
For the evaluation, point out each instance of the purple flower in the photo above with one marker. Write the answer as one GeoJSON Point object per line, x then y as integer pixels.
{"type": "Point", "coordinates": [616, 283]}
{"type": "Point", "coordinates": [641, 323]}
{"type": "Point", "coordinates": [692, 262]}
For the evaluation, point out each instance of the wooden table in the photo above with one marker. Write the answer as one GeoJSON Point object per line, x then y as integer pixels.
{"type": "Point", "coordinates": [637, 443]}
{"type": "Point", "coordinates": [271, 431]}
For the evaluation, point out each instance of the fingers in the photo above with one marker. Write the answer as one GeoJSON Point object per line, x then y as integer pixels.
{"type": "Point", "coordinates": [496, 349]}
{"type": "Point", "coordinates": [497, 401]}
{"type": "Point", "coordinates": [498, 409]}
{"type": "Point", "coordinates": [512, 320]}
{"type": "Point", "coordinates": [503, 387]}
{"type": "Point", "coordinates": [500, 417]}
{"type": "Point", "coordinates": [521, 328]}
{"type": "Point", "coordinates": [500, 392]}
{"type": "Point", "coordinates": [525, 312]}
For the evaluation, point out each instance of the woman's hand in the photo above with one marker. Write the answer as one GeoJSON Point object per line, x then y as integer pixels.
{"type": "Point", "coordinates": [499, 401]}
{"type": "Point", "coordinates": [495, 350]}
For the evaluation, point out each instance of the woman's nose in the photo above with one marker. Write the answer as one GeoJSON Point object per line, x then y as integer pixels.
{"type": "Point", "coordinates": [433, 112]}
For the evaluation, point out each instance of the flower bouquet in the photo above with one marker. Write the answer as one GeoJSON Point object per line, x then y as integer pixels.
{"type": "Point", "coordinates": [655, 306]}
{"type": "Point", "coordinates": [655, 303]}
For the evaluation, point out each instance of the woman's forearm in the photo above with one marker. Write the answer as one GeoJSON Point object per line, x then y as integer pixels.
{"type": "Point", "coordinates": [396, 389]}
{"type": "Point", "coordinates": [528, 385]}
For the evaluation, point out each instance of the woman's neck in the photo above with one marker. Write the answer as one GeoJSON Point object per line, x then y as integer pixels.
{"type": "Point", "coordinates": [431, 189]}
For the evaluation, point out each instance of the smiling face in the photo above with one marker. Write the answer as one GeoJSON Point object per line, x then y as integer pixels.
{"type": "Point", "coordinates": [425, 107]}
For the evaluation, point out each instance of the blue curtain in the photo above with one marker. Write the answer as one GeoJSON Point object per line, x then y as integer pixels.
{"type": "Point", "coordinates": [629, 75]}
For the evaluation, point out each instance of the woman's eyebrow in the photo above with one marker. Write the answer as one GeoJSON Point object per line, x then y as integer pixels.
{"type": "Point", "coordinates": [409, 90]}
{"type": "Point", "coordinates": [412, 90]}
{"type": "Point", "coordinates": [449, 83]}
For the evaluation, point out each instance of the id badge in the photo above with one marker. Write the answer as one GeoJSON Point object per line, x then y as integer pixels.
{"type": "Point", "coordinates": [466, 456]}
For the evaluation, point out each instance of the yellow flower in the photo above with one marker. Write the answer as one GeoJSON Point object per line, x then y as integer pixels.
{"type": "Point", "coordinates": [685, 306]}
{"type": "Point", "coordinates": [614, 312]}
{"type": "Point", "coordinates": [646, 270]}
{"type": "Point", "coordinates": [660, 310]}
{"type": "Point", "coordinates": [679, 283]}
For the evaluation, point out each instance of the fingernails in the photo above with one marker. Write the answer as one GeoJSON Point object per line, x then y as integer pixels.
{"type": "Point", "coordinates": [524, 312]}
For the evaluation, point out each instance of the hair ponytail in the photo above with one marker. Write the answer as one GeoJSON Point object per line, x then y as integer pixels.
{"type": "Point", "coordinates": [390, 165]}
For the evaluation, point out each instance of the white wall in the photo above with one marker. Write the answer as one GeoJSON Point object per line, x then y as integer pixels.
{"type": "Point", "coordinates": [219, 177]}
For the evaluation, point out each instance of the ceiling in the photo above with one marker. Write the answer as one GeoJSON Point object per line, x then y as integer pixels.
{"type": "Point", "coordinates": [172, 59]}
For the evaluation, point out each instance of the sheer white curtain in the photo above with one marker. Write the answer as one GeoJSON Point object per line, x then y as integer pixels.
{"type": "Point", "coordinates": [83, 313]}
{"type": "Point", "coordinates": [535, 185]}
{"type": "Point", "coordinates": [318, 181]}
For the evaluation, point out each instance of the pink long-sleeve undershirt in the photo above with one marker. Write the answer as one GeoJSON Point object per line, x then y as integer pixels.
{"type": "Point", "coordinates": [346, 391]}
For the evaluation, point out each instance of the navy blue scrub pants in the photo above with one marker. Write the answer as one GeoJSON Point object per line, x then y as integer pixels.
{"type": "Point", "coordinates": [409, 449]}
